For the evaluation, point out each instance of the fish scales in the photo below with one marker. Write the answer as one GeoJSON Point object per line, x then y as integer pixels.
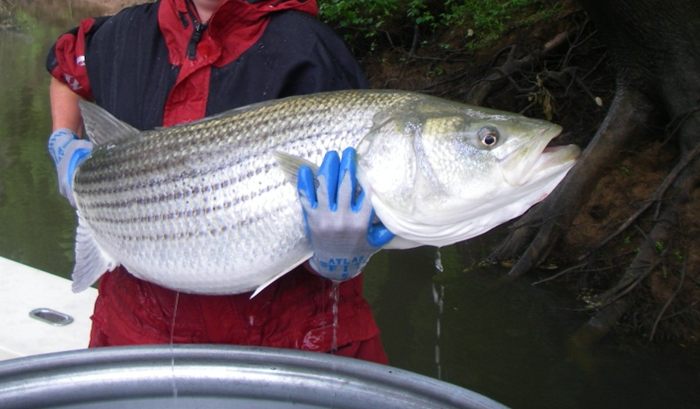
{"type": "Point", "coordinates": [210, 187]}
{"type": "Point", "coordinates": [206, 207]}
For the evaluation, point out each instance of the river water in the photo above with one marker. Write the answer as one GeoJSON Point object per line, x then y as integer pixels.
{"type": "Point", "coordinates": [508, 344]}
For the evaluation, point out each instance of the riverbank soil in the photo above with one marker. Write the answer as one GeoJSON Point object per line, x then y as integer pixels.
{"type": "Point", "coordinates": [622, 238]}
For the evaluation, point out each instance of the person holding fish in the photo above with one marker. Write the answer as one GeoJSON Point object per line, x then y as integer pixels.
{"type": "Point", "coordinates": [176, 61]}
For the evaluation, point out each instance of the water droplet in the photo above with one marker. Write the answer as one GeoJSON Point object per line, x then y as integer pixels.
{"type": "Point", "coordinates": [438, 261]}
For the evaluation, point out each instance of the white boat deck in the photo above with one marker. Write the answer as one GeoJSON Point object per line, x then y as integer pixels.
{"type": "Point", "coordinates": [24, 289]}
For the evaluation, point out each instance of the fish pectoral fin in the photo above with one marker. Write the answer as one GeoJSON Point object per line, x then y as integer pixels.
{"type": "Point", "coordinates": [276, 277]}
{"type": "Point", "coordinates": [290, 165]}
{"type": "Point", "coordinates": [90, 260]}
{"type": "Point", "coordinates": [266, 283]}
{"type": "Point", "coordinates": [101, 126]}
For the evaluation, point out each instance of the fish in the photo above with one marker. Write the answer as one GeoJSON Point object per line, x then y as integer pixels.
{"type": "Point", "coordinates": [211, 206]}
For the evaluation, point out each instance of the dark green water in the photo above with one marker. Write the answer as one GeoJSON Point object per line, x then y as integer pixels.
{"type": "Point", "coordinates": [508, 344]}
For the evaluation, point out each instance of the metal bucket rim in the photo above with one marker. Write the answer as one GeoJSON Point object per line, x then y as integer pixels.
{"type": "Point", "coordinates": [226, 372]}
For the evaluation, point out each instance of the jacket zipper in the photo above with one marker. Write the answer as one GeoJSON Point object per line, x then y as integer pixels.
{"type": "Point", "coordinates": [196, 37]}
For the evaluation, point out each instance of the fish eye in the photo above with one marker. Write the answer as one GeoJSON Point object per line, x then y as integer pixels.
{"type": "Point", "coordinates": [488, 136]}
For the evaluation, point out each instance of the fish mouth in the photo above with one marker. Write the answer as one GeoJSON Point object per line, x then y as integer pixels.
{"type": "Point", "coordinates": [552, 160]}
{"type": "Point", "coordinates": [538, 158]}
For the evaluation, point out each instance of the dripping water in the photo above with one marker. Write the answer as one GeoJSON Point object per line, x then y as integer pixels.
{"type": "Point", "coordinates": [438, 299]}
{"type": "Point", "coordinates": [438, 261]}
{"type": "Point", "coordinates": [335, 297]}
{"type": "Point", "coordinates": [172, 349]}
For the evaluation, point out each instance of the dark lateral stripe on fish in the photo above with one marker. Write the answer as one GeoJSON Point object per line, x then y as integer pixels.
{"type": "Point", "coordinates": [170, 215]}
{"type": "Point", "coordinates": [107, 177]}
{"type": "Point", "coordinates": [186, 234]}
{"type": "Point", "coordinates": [171, 195]}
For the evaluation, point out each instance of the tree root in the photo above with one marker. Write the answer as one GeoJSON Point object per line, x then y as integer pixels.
{"type": "Point", "coordinates": [613, 304]}
{"type": "Point", "coordinates": [600, 324]}
{"type": "Point", "coordinates": [684, 178]}
{"type": "Point", "coordinates": [512, 65]}
{"type": "Point", "coordinates": [668, 303]}
{"type": "Point", "coordinates": [658, 195]}
{"type": "Point", "coordinates": [538, 231]}
{"type": "Point", "coordinates": [651, 254]}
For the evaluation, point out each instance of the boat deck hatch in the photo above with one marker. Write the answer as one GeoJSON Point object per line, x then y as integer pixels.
{"type": "Point", "coordinates": [50, 316]}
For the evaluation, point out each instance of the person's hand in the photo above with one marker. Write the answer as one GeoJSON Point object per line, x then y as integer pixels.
{"type": "Point", "coordinates": [68, 152]}
{"type": "Point", "coordinates": [342, 228]}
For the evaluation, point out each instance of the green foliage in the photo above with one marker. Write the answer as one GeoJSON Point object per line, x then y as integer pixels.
{"type": "Point", "coordinates": [363, 15]}
{"type": "Point", "coordinates": [660, 247]}
{"type": "Point", "coordinates": [483, 20]}
{"type": "Point", "coordinates": [489, 15]}
{"type": "Point", "coordinates": [419, 14]}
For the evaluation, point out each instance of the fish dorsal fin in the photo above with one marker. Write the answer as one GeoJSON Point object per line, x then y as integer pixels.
{"type": "Point", "coordinates": [290, 165]}
{"type": "Point", "coordinates": [90, 260]}
{"type": "Point", "coordinates": [101, 126]}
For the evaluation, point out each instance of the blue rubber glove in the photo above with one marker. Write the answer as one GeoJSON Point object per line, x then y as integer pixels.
{"type": "Point", "coordinates": [341, 226]}
{"type": "Point", "coordinates": [68, 152]}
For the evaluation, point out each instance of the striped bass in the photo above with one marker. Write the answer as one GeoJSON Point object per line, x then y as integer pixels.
{"type": "Point", "coordinates": [211, 207]}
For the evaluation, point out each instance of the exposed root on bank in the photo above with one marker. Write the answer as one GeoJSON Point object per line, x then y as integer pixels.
{"type": "Point", "coordinates": [655, 199]}
{"type": "Point", "coordinates": [515, 64]}
{"type": "Point", "coordinates": [654, 256]}
{"type": "Point", "coordinates": [538, 231]}
{"type": "Point", "coordinates": [670, 300]}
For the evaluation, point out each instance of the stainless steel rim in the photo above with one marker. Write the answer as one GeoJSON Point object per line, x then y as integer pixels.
{"type": "Point", "coordinates": [215, 376]}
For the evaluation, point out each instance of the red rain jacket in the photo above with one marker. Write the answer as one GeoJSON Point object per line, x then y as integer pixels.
{"type": "Point", "coordinates": [157, 65]}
